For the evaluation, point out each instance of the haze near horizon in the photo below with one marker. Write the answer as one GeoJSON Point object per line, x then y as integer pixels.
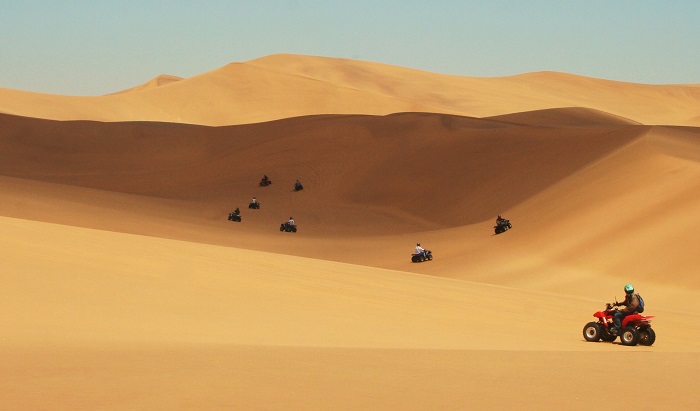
{"type": "Point", "coordinates": [87, 48]}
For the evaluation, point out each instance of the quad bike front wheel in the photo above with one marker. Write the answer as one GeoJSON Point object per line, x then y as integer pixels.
{"type": "Point", "coordinates": [629, 336]}
{"type": "Point", "coordinates": [429, 257]}
{"type": "Point", "coordinates": [647, 336]}
{"type": "Point", "coordinates": [591, 332]}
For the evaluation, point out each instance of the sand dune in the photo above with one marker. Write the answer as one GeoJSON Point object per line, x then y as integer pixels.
{"type": "Point", "coordinates": [283, 86]}
{"type": "Point", "coordinates": [127, 288]}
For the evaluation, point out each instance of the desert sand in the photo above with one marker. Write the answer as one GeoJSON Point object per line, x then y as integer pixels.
{"type": "Point", "coordinates": [125, 287]}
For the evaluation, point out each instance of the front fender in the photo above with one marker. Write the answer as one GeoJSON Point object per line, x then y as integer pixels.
{"type": "Point", "coordinates": [599, 314]}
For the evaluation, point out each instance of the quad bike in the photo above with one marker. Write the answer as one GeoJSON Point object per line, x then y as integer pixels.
{"type": "Point", "coordinates": [265, 182]}
{"type": "Point", "coordinates": [255, 205]}
{"type": "Point", "coordinates": [234, 217]}
{"type": "Point", "coordinates": [298, 186]}
{"type": "Point", "coordinates": [636, 328]}
{"type": "Point", "coordinates": [422, 256]}
{"type": "Point", "coordinates": [502, 226]}
{"type": "Point", "coordinates": [290, 228]}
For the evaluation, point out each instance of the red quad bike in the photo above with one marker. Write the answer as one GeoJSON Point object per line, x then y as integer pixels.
{"type": "Point", "coordinates": [636, 328]}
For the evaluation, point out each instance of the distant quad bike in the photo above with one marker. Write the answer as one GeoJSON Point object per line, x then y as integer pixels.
{"type": "Point", "coordinates": [636, 328]}
{"type": "Point", "coordinates": [298, 186]}
{"type": "Point", "coordinates": [290, 228]}
{"type": "Point", "coordinates": [501, 226]}
{"type": "Point", "coordinates": [422, 256]}
{"type": "Point", "coordinates": [265, 182]}
{"type": "Point", "coordinates": [234, 217]}
{"type": "Point", "coordinates": [255, 205]}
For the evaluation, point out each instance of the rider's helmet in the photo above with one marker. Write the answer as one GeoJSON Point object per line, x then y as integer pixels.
{"type": "Point", "coordinates": [629, 289]}
{"type": "Point", "coordinates": [418, 244]}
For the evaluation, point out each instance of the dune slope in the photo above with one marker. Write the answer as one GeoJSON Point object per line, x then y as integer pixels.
{"type": "Point", "coordinates": [114, 321]}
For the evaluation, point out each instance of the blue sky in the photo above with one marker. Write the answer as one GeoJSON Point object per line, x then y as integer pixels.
{"type": "Point", "coordinates": [81, 47]}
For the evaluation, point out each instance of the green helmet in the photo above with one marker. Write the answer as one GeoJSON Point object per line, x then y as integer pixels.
{"type": "Point", "coordinates": [629, 289]}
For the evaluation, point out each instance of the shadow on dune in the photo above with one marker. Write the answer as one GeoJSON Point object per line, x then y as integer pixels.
{"type": "Point", "coordinates": [415, 170]}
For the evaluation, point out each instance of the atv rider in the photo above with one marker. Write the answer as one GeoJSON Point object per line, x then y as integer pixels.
{"type": "Point", "coordinates": [631, 304]}
{"type": "Point", "coordinates": [499, 220]}
{"type": "Point", "coordinates": [264, 179]}
{"type": "Point", "coordinates": [255, 201]}
{"type": "Point", "coordinates": [419, 249]}
{"type": "Point", "coordinates": [297, 185]}
{"type": "Point", "coordinates": [237, 211]}
{"type": "Point", "coordinates": [290, 222]}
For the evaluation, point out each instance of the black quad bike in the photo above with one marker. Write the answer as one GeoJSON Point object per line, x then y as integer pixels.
{"type": "Point", "coordinates": [290, 228]}
{"type": "Point", "coordinates": [254, 205]}
{"type": "Point", "coordinates": [502, 225]}
{"type": "Point", "coordinates": [425, 255]}
{"type": "Point", "coordinates": [234, 217]}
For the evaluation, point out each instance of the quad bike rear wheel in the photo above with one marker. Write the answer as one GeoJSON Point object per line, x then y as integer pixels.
{"type": "Point", "coordinates": [647, 336]}
{"type": "Point", "coordinates": [629, 336]}
{"type": "Point", "coordinates": [591, 332]}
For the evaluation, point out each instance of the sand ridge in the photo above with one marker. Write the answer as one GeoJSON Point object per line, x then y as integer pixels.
{"type": "Point", "coordinates": [284, 85]}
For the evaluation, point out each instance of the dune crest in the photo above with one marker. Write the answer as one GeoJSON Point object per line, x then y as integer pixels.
{"type": "Point", "coordinates": [284, 86]}
{"type": "Point", "coordinates": [565, 117]}
{"type": "Point", "coordinates": [161, 80]}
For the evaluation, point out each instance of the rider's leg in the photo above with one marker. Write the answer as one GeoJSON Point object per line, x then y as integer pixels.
{"type": "Point", "coordinates": [617, 318]}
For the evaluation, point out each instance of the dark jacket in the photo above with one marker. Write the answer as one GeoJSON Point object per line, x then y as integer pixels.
{"type": "Point", "coordinates": [631, 304]}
